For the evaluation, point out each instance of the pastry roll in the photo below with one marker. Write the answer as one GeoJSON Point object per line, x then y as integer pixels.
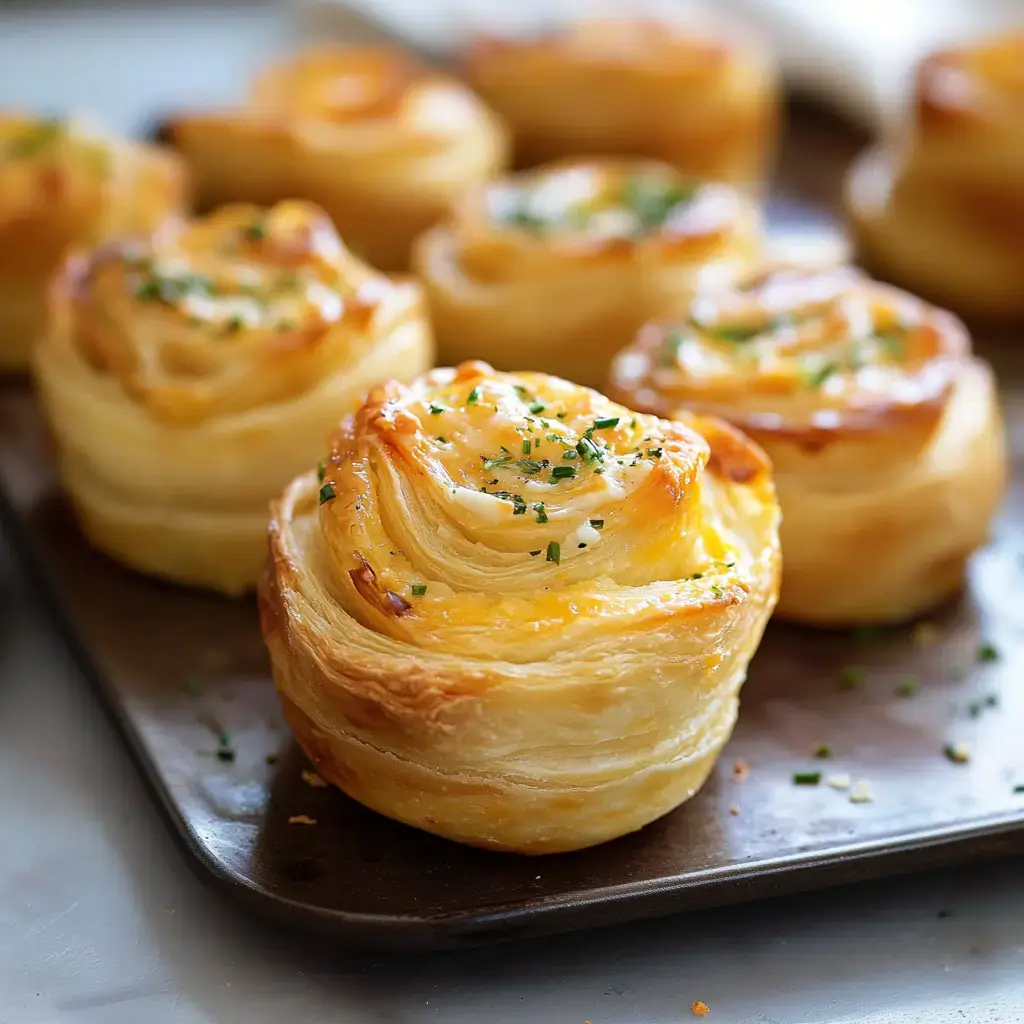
{"type": "Point", "coordinates": [186, 379]}
{"type": "Point", "coordinates": [940, 207]}
{"type": "Point", "coordinates": [702, 97]}
{"type": "Point", "coordinates": [510, 612]}
{"type": "Point", "coordinates": [883, 428]}
{"type": "Point", "coordinates": [65, 183]}
{"type": "Point", "coordinates": [380, 143]}
{"type": "Point", "coordinates": [557, 268]}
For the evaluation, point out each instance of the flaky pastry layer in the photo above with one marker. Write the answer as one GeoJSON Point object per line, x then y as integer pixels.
{"type": "Point", "coordinates": [511, 612]}
{"type": "Point", "coordinates": [188, 377]}
{"type": "Point", "coordinates": [557, 268]}
{"type": "Point", "coordinates": [884, 430]}
{"type": "Point", "coordinates": [382, 144]}
{"type": "Point", "coordinates": [940, 206]}
{"type": "Point", "coordinates": [65, 183]}
{"type": "Point", "coordinates": [699, 96]}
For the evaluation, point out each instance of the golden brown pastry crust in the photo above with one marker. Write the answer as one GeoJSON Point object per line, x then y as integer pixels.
{"type": "Point", "coordinates": [382, 144]}
{"type": "Point", "coordinates": [883, 428]}
{"type": "Point", "coordinates": [703, 98]}
{"type": "Point", "coordinates": [557, 268]}
{"type": "Point", "coordinates": [187, 378]}
{"type": "Point", "coordinates": [479, 636]}
{"type": "Point", "coordinates": [940, 207]}
{"type": "Point", "coordinates": [64, 183]}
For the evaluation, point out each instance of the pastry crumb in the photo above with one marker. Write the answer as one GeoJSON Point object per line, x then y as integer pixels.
{"type": "Point", "coordinates": [734, 810]}
{"type": "Point", "coordinates": [958, 753]}
{"type": "Point", "coordinates": [301, 819]}
{"type": "Point", "coordinates": [841, 781]}
{"type": "Point", "coordinates": [926, 634]}
{"type": "Point", "coordinates": [314, 780]}
{"type": "Point", "coordinates": [740, 770]}
{"type": "Point", "coordinates": [860, 792]}
{"type": "Point", "coordinates": [699, 1008]}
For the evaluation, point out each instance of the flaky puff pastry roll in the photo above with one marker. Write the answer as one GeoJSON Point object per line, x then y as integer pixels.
{"type": "Point", "coordinates": [940, 207]}
{"type": "Point", "coordinates": [382, 144]}
{"type": "Point", "coordinates": [701, 96]}
{"type": "Point", "coordinates": [509, 611]}
{"type": "Point", "coordinates": [883, 428]}
{"type": "Point", "coordinates": [62, 183]}
{"type": "Point", "coordinates": [558, 268]}
{"type": "Point", "coordinates": [188, 378]}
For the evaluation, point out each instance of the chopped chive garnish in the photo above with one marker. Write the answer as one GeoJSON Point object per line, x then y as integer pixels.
{"type": "Point", "coordinates": [597, 524]}
{"type": "Point", "coordinates": [806, 778]}
{"type": "Point", "coordinates": [255, 232]}
{"type": "Point", "coordinates": [442, 440]}
{"type": "Point", "coordinates": [1019, 788]}
{"type": "Point", "coordinates": [537, 408]}
{"type": "Point", "coordinates": [697, 576]}
{"type": "Point", "coordinates": [906, 687]}
{"type": "Point", "coordinates": [571, 454]}
{"type": "Point", "coordinates": [823, 750]}
{"type": "Point", "coordinates": [563, 472]}
{"type": "Point", "coordinates": [851, 677]}
{"type": "Point", "coordinates": [736, 332]}
{"type": "Point", "coordinates": [473, 397]}
{"type": "Point", "coordinates": [958, 753]}
{"type": "Point", "coordinates": [419, 589]}
{"type": "Point", "coordinates": [436, 410]}
{"type": "Point", "coordinates": [654, 453]}
{"type": "Point", "coordinates": [527, 446]}
{"type": "Point", "coordinates": [537, 552]}
{"type": "Point", "coordinates": [991, 701]}
{"type": "Point", "coordinates": [589, 451]}
{"type": "Point", "coordinates": [321, 471]}
{"type": "Point", "coordinates": [234, 325]}
{"type": "Point", "coordinates": [609, 421]}
{"type": "Point", "coordinates": [822, 374]}
{"type": "Point", "coordinates": [988, 652]}
{"type": "Point", "coordinates": [326, 493]}
{"type": "Point", "coordinates": [581, 545]}
{"type": "Point", "coordinates": [561, 415]}
{"type": "Point", "coordinates": [542, 516]}
{"type": "Point", "coordinates": [521, 389]}
{"type": "Point", "coordinates": [669, 355]}
{"type": "Point", "coordinates": [225, 754]}
{"type": "Point", "coordinates": [554, 552]}
{"type": "Point", "coordinates": [717, 591]}
{"type": "Point", "coordinates": [149, 289]}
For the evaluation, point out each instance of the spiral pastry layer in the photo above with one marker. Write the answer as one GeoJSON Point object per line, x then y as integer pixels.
{"type": "Point", "coordinates": [511, 612]}
{"type": "Point", "coordinates": [883, 428]}
{"type": "Point", "coordinates": [700, 96]}
{"type": "Point", "coordinates": [187, 378]}
{"type": "Point", "coordinates": [65, 183]}
{"type": "Point", "coordinates": [557, 268]}
{"type": "Point", "coordinates": [382, 144]}
{"type": "Point", "coordinates": [940, 206]}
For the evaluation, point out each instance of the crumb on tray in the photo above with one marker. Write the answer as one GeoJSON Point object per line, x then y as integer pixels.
{"type": "Point", "coordinates": [301, 819]}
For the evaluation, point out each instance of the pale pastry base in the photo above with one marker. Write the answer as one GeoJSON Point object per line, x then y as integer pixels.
{"type": "Point", "coordinates": [889, 553]}
{"type": "Point", "coordinates": [927, 247]}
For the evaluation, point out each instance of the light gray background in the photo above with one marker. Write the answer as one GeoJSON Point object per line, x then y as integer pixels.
{"type": "Point", "coordinates": [101, 921]}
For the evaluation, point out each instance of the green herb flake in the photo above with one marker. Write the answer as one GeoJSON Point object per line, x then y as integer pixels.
{"type": "Point", "coordinates": [717, 591]}
{"type": "Point", "coordinates": [527, 446]}
{"type": "Point", "coordinates": [225, 754]}
{"type": "Point", "coordinates": [321, 471]}
{"type": "Point", "coordinates": [607, 423]}
{"type": "Point", "coordinates": [894, 344]}
{"type": "Point", "coordinates": [988, 652]}
{"type": "Point", "coordinates": [907, 687]}
{"type": "Point", "coordinates": [563, 472]}
{"type": "Point", "coordinates": [806, 778]}
{"type": "Point", "coordinates": [542, 515]}
{"type": "Point", "coordinates": [653, 453]}
{"type": "Point", "coordinates": [473, 397]}
{"type": "Point", "coordinates": [597, 524]}
{"type": "Point", "coordinates": [736, 332]}
{"type": "Point", "coordinates": [823, 751]}
{"type": "Point", "coordinates": [255, 232]}
{"type": "Point", "coordinates": [818, 377]}
{"type": "Point", "coordinates": [561, 415]}
{"type": "Point", "coordinates": [537, 408]}
{"type": "Point", "coordinates": [326, 493]}
{"type": "Point", "coordinates": [441, 440]}
{"type": "Point", "coordinates": [234, 324]}
{"type": "Point", "coordinates": [554, 552]}
{"type": "Point", "coordinates": [669, 354]}
{"type": "Point", "coordinates": [1019, 788]}
{"type": "Point", "coordinates": [435, 409]}
{"type": "Point", "coordinates": [697, 576]}
{"type": "Point", "coordinates": [535, 553]}
{"type": "Point", "coordinates": [958, 753]}
{"type": "Point", "coordinates": [851, 676]}
{"type": "Point", "coordinates": [418, 589]}
{"type": "Point", "coordinates": [589, 451]}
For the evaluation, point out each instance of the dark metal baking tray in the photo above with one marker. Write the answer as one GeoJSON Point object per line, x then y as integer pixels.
{"type": "Point", "coordinates": [176, 667]}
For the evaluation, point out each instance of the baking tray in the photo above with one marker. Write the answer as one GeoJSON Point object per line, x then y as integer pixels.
{"type": "Point", "coordinates": [185, 677]}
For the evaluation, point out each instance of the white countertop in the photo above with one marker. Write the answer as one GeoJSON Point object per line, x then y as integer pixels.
{"type": "Point", "coordinates": [102, 922]}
